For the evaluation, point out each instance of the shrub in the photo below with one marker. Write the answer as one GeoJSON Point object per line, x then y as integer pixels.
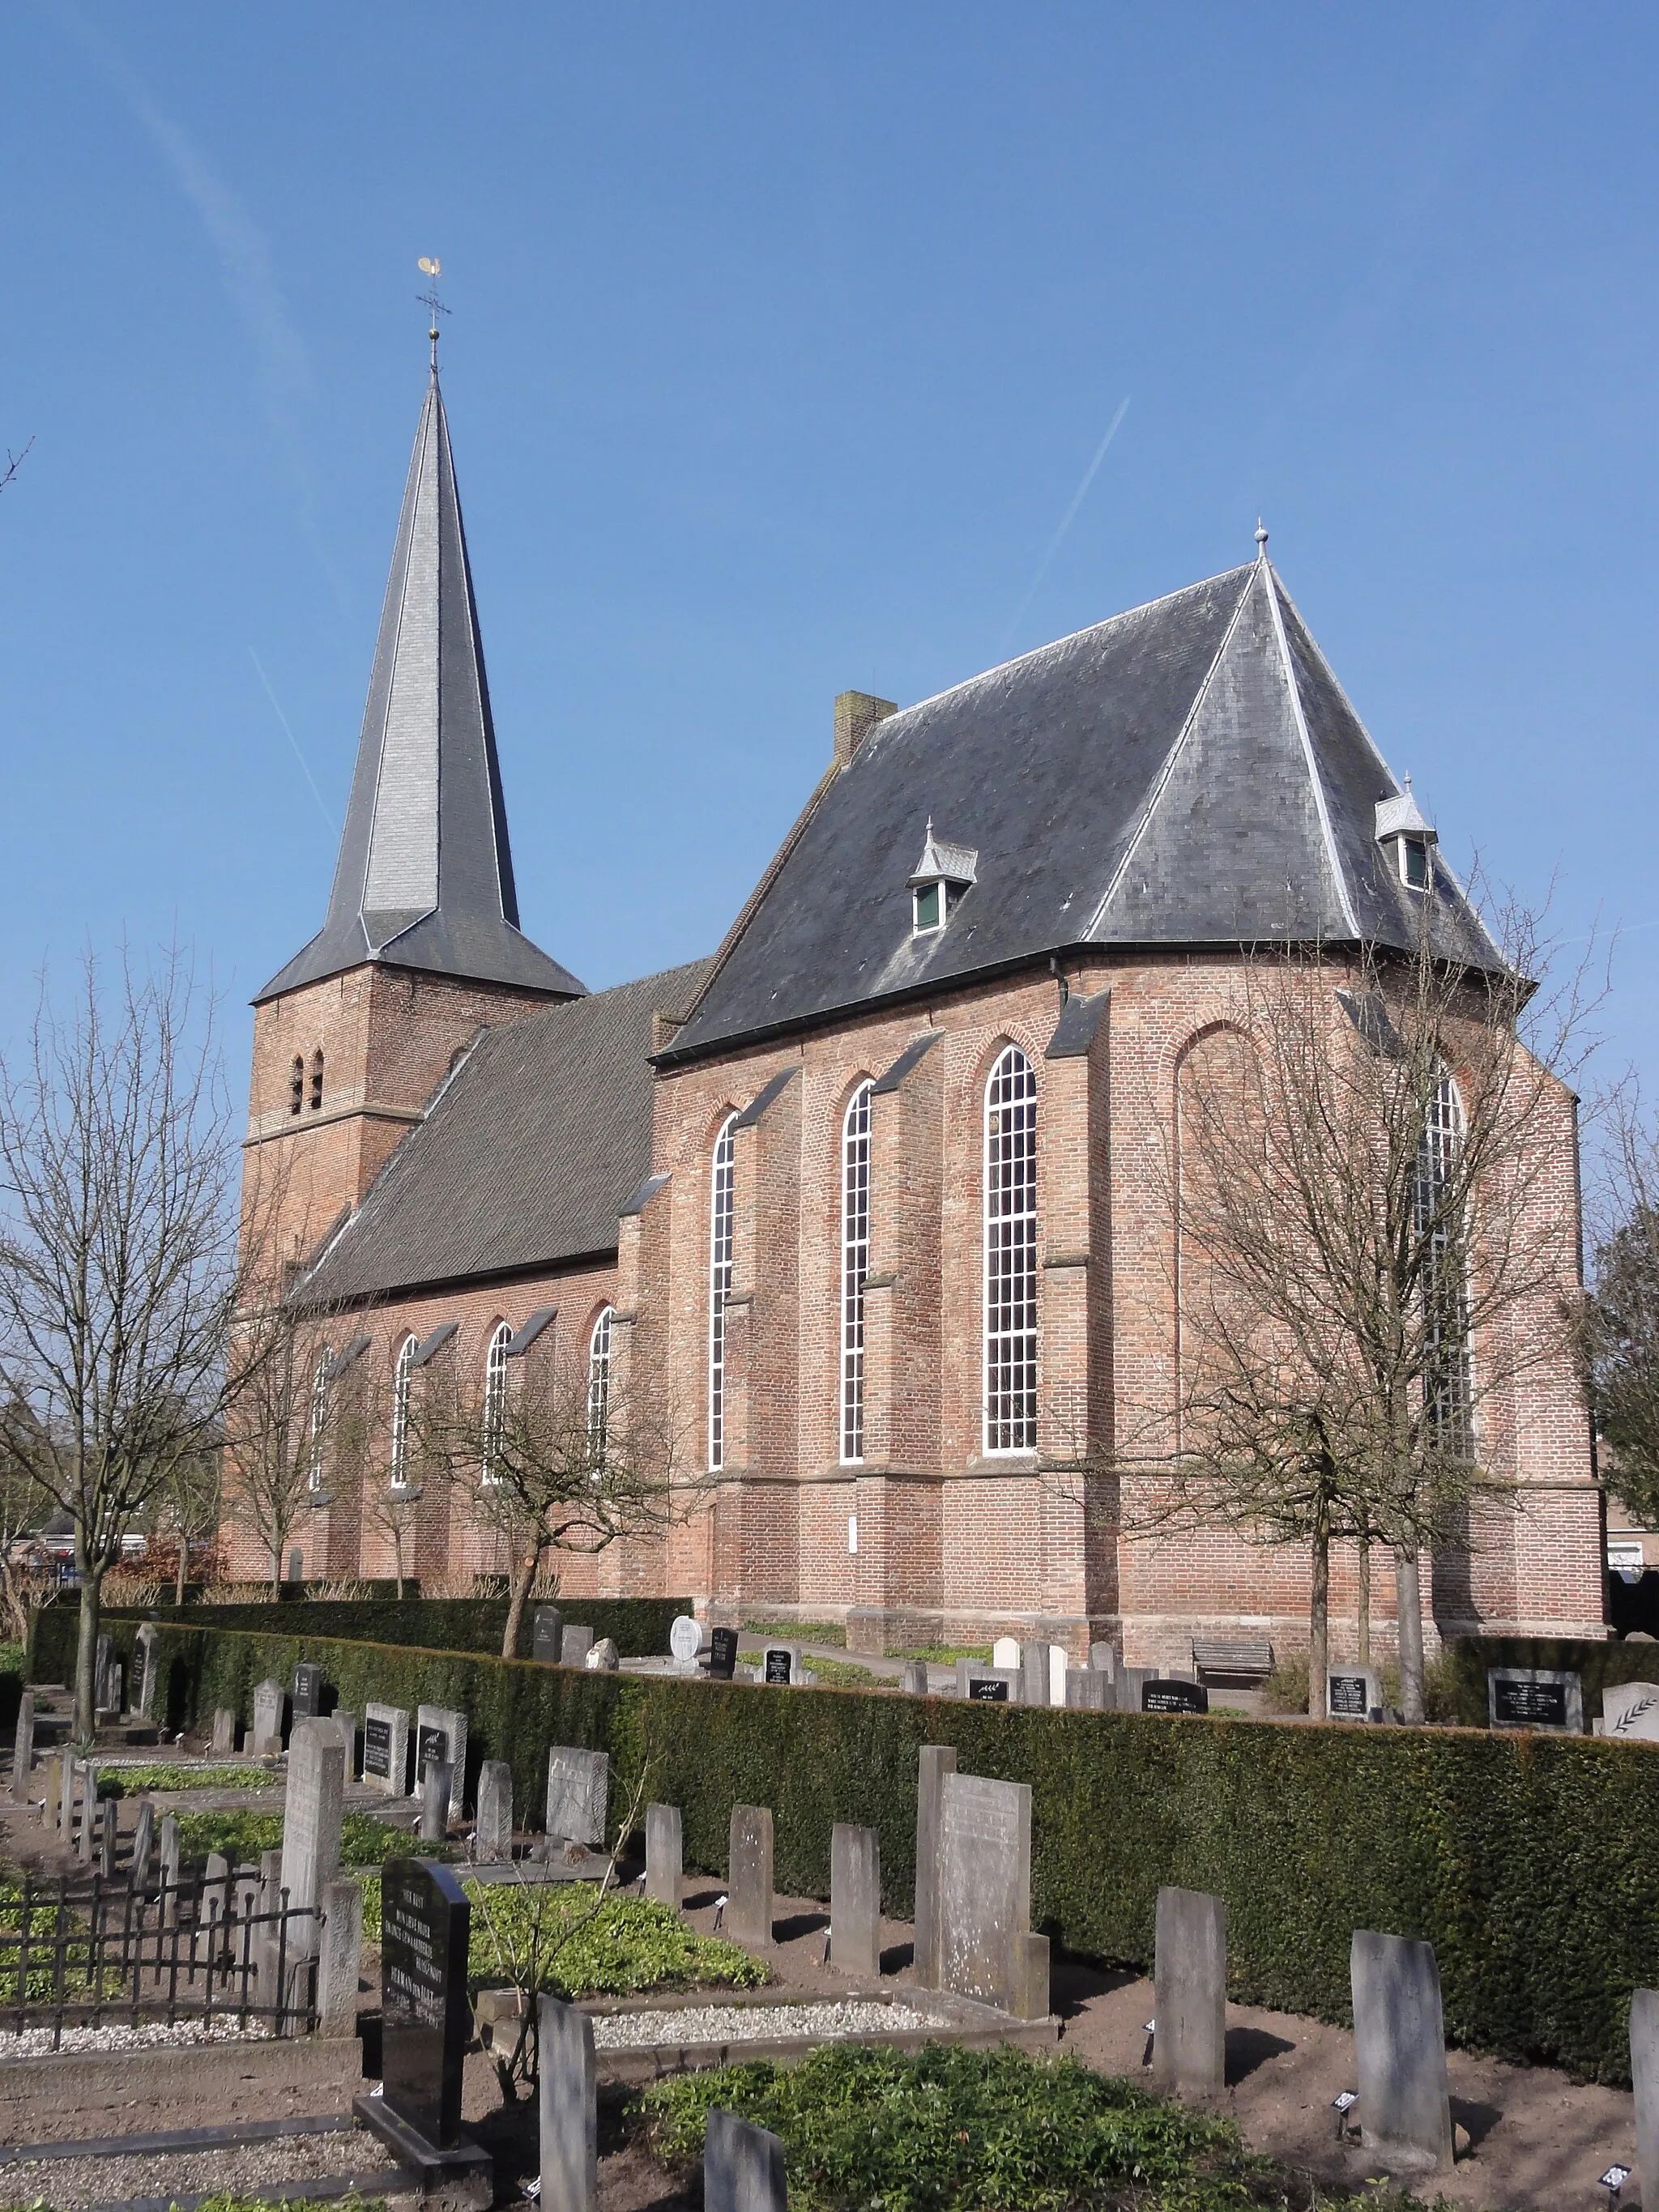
{"type": "Point", "coordinates": [1285, 1690]}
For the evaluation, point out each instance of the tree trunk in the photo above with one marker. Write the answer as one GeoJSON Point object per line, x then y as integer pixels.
{"type": "Point", "coordinates": [398, 1560]}
{"type": "Point", "coordinates": [184, 1569]}
{"type": "Point", "coordinates": [1319, 1617]}
{"type": "Point", "coordinates": [276, 1573]}
{"type": "Point", "coordinates": [1365, 1601]}
{"type": "Point", "coordinates": [1409, 1607]}
{"type": "Point", "coordinates": [86, 1654]}
{"type": "Point", "coordinates": [520, 1578]}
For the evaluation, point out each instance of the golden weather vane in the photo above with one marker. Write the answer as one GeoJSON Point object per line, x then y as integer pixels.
{"type": "Point", "coordinates": [430, 266]}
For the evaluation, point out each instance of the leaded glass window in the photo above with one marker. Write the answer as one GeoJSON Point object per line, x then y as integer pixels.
{"type": "Point", "coordinates": [854, 1267]}
{"type": "Point", "coordinates": [400, 1381]}
{"type": "Point", "coordinates": [598, 1383]}
{"type": "Point", "coordinates": [494, 1402]}
{"type": "Point", "coordinates": [1010, 1223]}
{"type": "Point", "coordinates": [720, 1286]}
{"type": "Point", "coordinates": [1449, 1379]}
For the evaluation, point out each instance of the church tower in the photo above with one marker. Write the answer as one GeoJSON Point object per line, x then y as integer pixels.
{"type": "Point", "coordinates": [422, 944]}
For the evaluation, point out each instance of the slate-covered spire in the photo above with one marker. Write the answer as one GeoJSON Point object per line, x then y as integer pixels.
{"type": "Point", "coordinates": [424, 878]}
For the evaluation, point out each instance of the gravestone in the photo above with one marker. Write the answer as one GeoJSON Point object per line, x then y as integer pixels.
{"type": "Point", "coordinates": [88, 1811]}
{"type": "Point", "coordinates": [1033, 1674]}
{"type": "Point", "coordinates": [684, 1642]}
{"type": "Point", "coordinates": [915, 1678]}
{"type": "Point", "coordinates": [100, 1665]}
{"type": "Point", "coordinates": [1057, 1673]}
{"type": "Point", "coordinates": [569, 2109]}
{"type": "Point", "coordinates": [143, 1844]}
{"type": "Point", "coordinates": [664, 1854]}
{"type": "Point", "coordinates": [107, 1834]}
{"type": "Point", "coordinates": [1351, 1692]}
{"type": "Point", "coordinates": [1400, 2044]}
{"type": "Point", "coordinates": [23, 1748]}
{"type": "Point", "coordinates": [267, 1719]}
{"type": "Point", "coordinates": [385, 1748]}
{"type": "Point", "coordinates": [603, 1657]}
{"type": "Point", "coordinates": [66, 1801]}
{"type": "Point", "coordinates": [722, 1653]}
{"type": "Point", "coordinates": [496, 1812]}
{"type": "Point", "coordinates": [296, 1564]}
{"type": "Point", "coordinates": [170, 1861]}
{"type": "Point", "coordinates": [1089, 1692]}
{"type": "Point", "coordinates": [212, 1911]}
{"type": "Point", "coordinates": [984, 1884]}
{"type": "Point", "coordinates": [426, 2020]}
{"type": "Point", "coordinates": [307, 1692]}
{"type": "Point", "coordinates": [1630, 1711]}
{"type": "Point", "coordinates": [574, 1645]}
{"type": "Point", "coordinates": [224, 1730]}
{"type": "Point", "coordinates": [546, 1628]}
{"type": "Point", "coordinates": [855, 1900]}
{"type": "Point", "coordinates": [147, 1659]}
{"type": "Point", "coordinates": [441, 1733]}
{"type": "Point", "coordinates": [1190, 2052]}
{"type": "Point", "coordinates": [338, 1958]}
{"type": "Point", "coordinates": [743, 2169]}
{"type": "Point", "coordinates": [49, 1811]}
{"type": "Point", "coordinates": [313, 1807]}
{"type": "Point", "coordinates": [1102, 1659]}
{"type": "Point", "coordinates": [578, 1796]}
{"type": "Point", "coordinates": [1129, 1683]}
{"type": "Point", "coordinates": [935, 1762]}
{"type": "Point", "coordinates": [1167, 1694]}
{"type": "Point", "coordinates": [1005, 1652]}
{"type": "Point", "coordinates": [1644, 2080]}
{"type": "Point", "coordinates": [345, 1725]}
{"type": "Point", "coordinates": [435, 1801]}
{"type": "Point", "coordinates": [1535, 1697]}
{"type": "Point", "coordinates": [991, 1686]}
{"type": "Point", "coordinates": [748, 1878]}
{"type": "Point", "coordinates": [780, 1664]}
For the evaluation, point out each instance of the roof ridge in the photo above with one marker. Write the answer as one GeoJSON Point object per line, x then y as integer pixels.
{"type": "Point", "coordinates": [1339, 872]}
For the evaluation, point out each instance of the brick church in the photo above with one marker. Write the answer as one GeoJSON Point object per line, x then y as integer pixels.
{"type": "Point", "coordinates": [869, 1197]}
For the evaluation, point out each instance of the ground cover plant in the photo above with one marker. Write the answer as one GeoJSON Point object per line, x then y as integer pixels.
{"type": "Point", "coordinates": [944, 2130]}
{"type": "Point", "coordinates": [40, 1984]}
{"type": "Point", "coordinates": [831, 1674]}
{"type": "Point", "coordinates": [137, 1781]}
{"type": "Point", "coordinates": [799, 1632]}
{"type": "Point", "coordinates": [943, 1655]}
{"type": "Point", "coordinates": [242, 1836]}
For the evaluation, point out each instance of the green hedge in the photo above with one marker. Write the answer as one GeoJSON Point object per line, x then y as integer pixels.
{"type": "Point", "coordinates": [639, 1625]}
{"type": "Point", "coordinates": [1598, 1666]}
{"type": "Point", "coordinates": [1527, 1860]}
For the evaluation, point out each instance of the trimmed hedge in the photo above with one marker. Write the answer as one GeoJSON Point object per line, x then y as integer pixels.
{"type": "Point", "coordinates": [639, 1625]}
{"type": "Point", "coordinates": [1527, 1860]}
{"type": "Point", "coordinates": [1598, 1666]}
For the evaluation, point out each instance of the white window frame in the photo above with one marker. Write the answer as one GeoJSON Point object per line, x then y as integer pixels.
{"type": "Point", "coordinates": [722, 1206]}
{"type": "Point", "coordinates": [402, 1368]}
{"type": "Point", "coordinates": [1443, 1129]}
{"type": "Point", "coordinates": [1404, 842]}
{"type": "Point", "coordinates": [494, 1402]}
{"type": "Point", "coordinates": [855, 1266]}
{"type": "Point", "coordinates": [921, 928]}
{"type": "Point", "coordinates": [319, 1417]}
{"type": "Point", "coordinates": [1009, 1232]}
{"type": "Point", "coordinates": [598, 1382]}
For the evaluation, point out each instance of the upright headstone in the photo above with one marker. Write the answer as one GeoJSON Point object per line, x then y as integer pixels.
{"type": "Point", "coordinates": [212, 1909]}
{"type": "Point", "coordinates": [574, 1645]}
{"type": "Point", "coordinates": [684, 1642]}
{"type": "Point", "coordinates": [578, 1795]}
{"type": "Point", "coordinates": [143, 1844]}
{"type": "Point", "coordinates": [663, 1862]}
{"type": "Point", "coordinates": [49, 1811]}
{"type": "Point", "coordinates": [1089, 1690]}
{"type": "Point", "coordinates": [914, 1680]}
{"type": "Point", "coordinates": [855, 1900]}
{"type": "Point", "coordinates": [496, 1812]}
{"type": "Point", "coordinates": [1351, 1693]}
{"type": "Point", "coordinates": [1644, 2080]}
{"type": "Point", "coordinates": [147, 1659]}
{"type": "Point", "coordinates": [313, 1806]}
{"type": "Point", "coordinates": [1399, 2048]}
{"type": "Point", "coordinates": [569, 2109]}
{"type": "Point", "coordinates": [345, 1726]}
{"type": "Point", "coordinates": [267, 1719]}
{"type": "Point", "coordinates": [339, 1957]}
{"type": "Point", "coordinates": [1034, 1673]}
{"type": "Point", "coordinates": [748, 1878]}
{"type": "Point", "coordinates": [1057, 1674]}
{"type": "Point", "coordinates": [108, 1833]}
{"type": "Point", "coordinates": [88, 1811]}
{"type": "Point", "coordinates": [66, 1801]}
{"type": "Point", "coordinates": [546, 1628]}
{"type": "Point", "coordinates": [1129, 1681]}
{"type": "Point", "coordinates": [743, 2169]}
{"type": "Point", "coordinates": [722, 1653]}
{"type": "Point", "coordinates": [434, 1801]}
{"type": "Point", "coordinates": [170, 1864]}
{"type": "Point", "coordinates": [1102, 1659]}
{"type": "Point", "coordinates": [991, 1686]}
{"type": "Point", "coordinates": [1630, 1711]}
{"type": "Point", "coordinates": [1169, 1693]}
{"type": "Point", "coordinates": [781, 1665]}
{"type": "Point", "coordinates": [441, 1733]}
{"type": "Point", "coordinates": [603, 1657]}
{"type": "Point", "coordinates": [936, 1761]}
{"type": "Point", "coordinates": [23, 1748]}
{"type": "Point", "coordinates": [224, 1730]}
{"type": "Point", "coordinates": [1189, 2050]}
{"type": "Point", "coordinates": [1535, 1697]}
{"type": "Point", "coordinates": [426, 2020]}
{"type": "Point", "coordinates": [100, 1665]}
{"type": "Point", "coordinates": [984, 1885]}
{"type": "Point", "coordinates": [1006, 1652]}
{"type": "Point", "coordinates": [385, 1748]}
{"type": "Point", "coordinates": [307, 1692]}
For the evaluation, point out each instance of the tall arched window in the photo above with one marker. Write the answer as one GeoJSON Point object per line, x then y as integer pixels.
{"type": "Point", "coordinates": [854, 1267]}
{"type": "Point", "coordinates": [400, 1375]}
{"type": "Point", "coordinates": [317, 1080]}
{"type": "Point", "coordinates": [1449, 1380]}
{"type": "Point", "coordinates": [1010, 1223]}
{"type": "Point", "coordinates": [296, 1085]}
{"type": "Point", "coordinates": [319, 1416]}
{"type": "Point", "coordinates": [719, 1285]}
{"type": "Point", "coordinates": [599, 1382]}
{"type": "Point", "coordinates": [495, 1400]}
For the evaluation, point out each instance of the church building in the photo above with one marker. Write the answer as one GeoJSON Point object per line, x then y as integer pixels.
{"type": "Point", "coordinates": [870, 1202]}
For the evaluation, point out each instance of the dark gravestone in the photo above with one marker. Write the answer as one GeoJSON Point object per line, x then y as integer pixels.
{"type": "Point", "coordinates": [780, 1661]}
{"type": "Point", "coordinates": [377, 1750]}
{"type": "Point", "coordinates": [1527, 1697]}
{"type": "Point", "coordinates": [548, 1628]}
{"type": "Point", "coordinates": [722, 1652]}
{"type": "Point", "coordinates": [426, 2020]}
{"type": "Point", "coordinates": [431, 1749]}
{"type": "Point", "coordinates": [307, 1692]}
{"type": "Point", "coordinates": [987, 1689]}
{"type": "Point", "coordinates": [1164, 1696]}
{"type": "Point", "coordinates": [1350, 1695]}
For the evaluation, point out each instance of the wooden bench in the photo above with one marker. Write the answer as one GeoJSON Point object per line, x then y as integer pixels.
{"type": "Point", "coordinates": [1234, 1656]}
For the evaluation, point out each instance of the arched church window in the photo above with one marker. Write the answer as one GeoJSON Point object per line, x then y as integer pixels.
{"type": "Point", "coordinates": [854, 1267]}
{"type": "Point", "coordinates": [598, 1383]}
{"type": "Point", "coordinates": [1010, 1223]}
{"type": "Point", "coordinates": [400, 1381]}
{"type": "Point", "coordinates": [1449, 1380]}
{"type": "Point", "coordinates": [296, 1085]}
{"type": "Point", "coordinates": [719, 1283]}
{"type": "Point", "coordinates": [319, 1417]}
{"type": "Point", "coordinates": [494, 1400]}
{"type": "Point", "coordinates": [317, 1080]}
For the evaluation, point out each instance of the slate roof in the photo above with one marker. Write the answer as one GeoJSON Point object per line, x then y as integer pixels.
{"type": "Point", "coordinates": [424, 878]}
{"type": "Point", "coordinates": [1190, 773]}
{"type": "Point", "coordinates": [526, 1154]}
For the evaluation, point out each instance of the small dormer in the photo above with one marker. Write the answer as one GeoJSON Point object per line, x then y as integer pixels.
{"type": "Point", "coordinates": [938, 882]}
{"type": "Point", "coordinates": [1408, 839]}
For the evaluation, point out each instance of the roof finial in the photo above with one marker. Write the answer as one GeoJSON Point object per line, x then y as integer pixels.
{"type": "Point", "coordinates": [429, 266]}
{"type": "Point", "coordinates": [1261, 539]}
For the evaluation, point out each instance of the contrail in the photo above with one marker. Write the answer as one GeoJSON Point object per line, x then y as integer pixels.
{"type": "Point", "coordinates": [294, 742]}
{"type": "Point", "coordinates": [1066, 521]}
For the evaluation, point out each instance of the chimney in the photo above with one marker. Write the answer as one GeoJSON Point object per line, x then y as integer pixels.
{"type": "Point", "coordinates": [857, 714]}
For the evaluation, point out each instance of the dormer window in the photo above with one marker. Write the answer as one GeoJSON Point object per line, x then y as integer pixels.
{"type": "Point", "coordinates": [1408, 839]}
{"type": "Point", "coordinates": [941, 877]}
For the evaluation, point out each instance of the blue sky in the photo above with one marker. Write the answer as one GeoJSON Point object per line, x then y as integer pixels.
{"type": "Point", "coordinates": [782, 342]}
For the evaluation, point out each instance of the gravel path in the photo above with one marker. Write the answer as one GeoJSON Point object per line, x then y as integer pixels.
{"type": "Point", "coordinates": [689, 2024]}
{"type": "Point", "coordinates": [70, 2184]}
{"type": "Point", "coordinates": [37, 2043]}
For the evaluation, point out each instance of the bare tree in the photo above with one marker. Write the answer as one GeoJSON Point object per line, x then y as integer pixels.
{"type": "Point", "coordinates": [279, 1361]}
{"type": "Point", "coordinates": [117, 1268]}
{"type": "Point", "coordinates": [14, 462]}
{"type": "Point", "coordinates": [185, 1510]}
{"type": "Point", "coordinates": [1371, 1174]}
{"type": "Point", "coordinates": [1617, 1324]}
{"type": "Point", "coordinates": [23, 1506]}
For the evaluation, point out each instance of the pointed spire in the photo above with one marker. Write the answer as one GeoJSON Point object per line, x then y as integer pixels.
{"type": "Point", "coordinates": [424, 878]}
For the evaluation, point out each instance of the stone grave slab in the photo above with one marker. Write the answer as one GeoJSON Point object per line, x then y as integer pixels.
{"type": "Point", "coordinates": [224, 1730]}
{"type": "Point", "coordinates": [743, 2169]}
{"type": "Point", "coordinates": [1399, 2047]}
{"type": "Point", "coordinates": [267, 1719]}
{"type": "Point", "coordinates": [748, 1878]}
{"type": "Point", "coordinates": [1164, 1694]}
{"type": "Point", "coordinates": [1645, 2079]}
{"type": "Point", "coordinates": [1102, 1659]}
{"type": "Point", "coordinates": [426, 2020]}
{"type": "Point", "coordinates": [855, 1901]}
{"type": "Point", "coordinates": [1005, 1652]}
{"type": "Point", "coordinates": [574, 1645]}
{"type": "Point", "coordinates": [1129, 1682]}
{"type": "Point", "coordinates": [1189, 2046]}
{"type": "Point", "coordinates": [23, 1748]}
{"type": "Point", "coordinates": [345, 1727]}
{"type": "Point", "coordinates": [1535, 1697]}
{"type": "Point", "coordinates": [933, 1763]}
{"type": "Point", "coordinates": [306, 1692]}
{"type": "Point", "coordinates": [313, 1807]}
{"type": "Point", "coordinates": [496, 1812]}
{"type": "Point", "coordinates": [684, 1642]}
{"type": "Point", "coordinates": [984, 1884]}
{"type": "Point", "coordinates": [722, 1653]}
{"type": "Point", "coordinates": [143, 1844]}
{"type": "Point", "coordinates": [385, 1748]}
{"type": "Point", "coordinates": [441, 1733]}
{"type": "Point", "coordinates": [546, 1629]}
{"type": "Point", "coordinates": [1631, 1712]}
{"type": "Point", "coordinates": [1090, 1691]}
{"type": "Point", "coordinates": [781, 1665]}
{"type": "Point", "coordinates": [578, 1795]}
{"type": "Point", "coordinates": [991, 1686]}
{"type": "Point", "coordinates": [1351, 1692]}
{"type": "Point", "coordinates": [570, 2112]}
{"type": "Point", "coordinates": [914, 1680]}
{"type": "Point", "coordinates": [664, 1859]}
{"type": "Point", "coordinates": [339, 1953]}
{"type": "Point", "coordinates": [147, 1659]}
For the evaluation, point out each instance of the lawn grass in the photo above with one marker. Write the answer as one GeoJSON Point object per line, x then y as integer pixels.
{"type": "Point", "coordinates": [799, 1632]}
